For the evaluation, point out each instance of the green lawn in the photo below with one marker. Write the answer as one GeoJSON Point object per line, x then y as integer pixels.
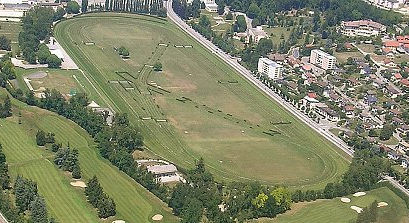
{"type": "Point", "coordinates": [66, 203]}
{"type": "Point", "coordinates": [10, 30]}
{"type": "Point", "coordinates": [334, 211]}
{"type": "Point", "coordinates": [223, 122]}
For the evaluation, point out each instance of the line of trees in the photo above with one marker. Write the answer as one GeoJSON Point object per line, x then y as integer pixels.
{"type": "Point", "coordinates": [27, 198]}
{"type": "Point", "coordinates": [7, 70]}
{"type": "Point", "coordinates": [37, 25]}
{"type": "Point", "coordinates": [99, 199]}
{"type": "Point", "coordinates": [153, 7]}
{"type": "Point", "coordinates": [5, 108]}
{"type": "Point", "coordinates": [334, 11]}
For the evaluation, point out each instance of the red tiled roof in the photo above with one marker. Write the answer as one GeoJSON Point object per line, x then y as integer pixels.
{"type": "Point", "coordinates": [312, 95]}
{"type": "Point", "coordinates": [405, 82]}
{"type": "Point", "coordinates": [398, 76]}
{"type": "Point", "coordinates": [391, 43]}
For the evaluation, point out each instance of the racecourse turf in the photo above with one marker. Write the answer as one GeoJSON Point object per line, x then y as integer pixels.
{"type": "Point", "coordinates": [334, 211]}
{"type": "Point", "coordinates": [64, 202]}
{"type": "Point", "coordinates": [197, 106]}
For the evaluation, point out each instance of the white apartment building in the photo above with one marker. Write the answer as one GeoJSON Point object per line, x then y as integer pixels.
{"type": "Point", "coordinates": [270, 68]}
{"type": "Point", "coordinates": [388, 4]}
{"type": "Point", "coordinates": [323, 59]}
{"type": "Point", "coordinates": [362, 28]}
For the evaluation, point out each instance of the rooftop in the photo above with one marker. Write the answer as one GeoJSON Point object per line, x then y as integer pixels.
{"type": "Point", "coordinates": [160, 169]}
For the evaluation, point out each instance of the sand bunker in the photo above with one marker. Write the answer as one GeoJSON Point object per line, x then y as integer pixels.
{"type": "Point", "coordinates": [356, 208]}
{"type": "Point", "coordinates": [358, 194]}
{"type": "Point", "coordinates": [78, 183]}
{"type": "Point", "coordinates": [118, 221]}
{"type": "Point", "coordinates": [382, 204]}
{"type": "Point", "coordinates": [37, 75]}
{"type": "Point", "coordinates": [345, 200]}
{"type": "Point", "coordinates": [157, 217]}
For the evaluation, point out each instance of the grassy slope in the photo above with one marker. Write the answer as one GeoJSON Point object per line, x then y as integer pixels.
{"type": "Point", "coordinates": [334, 211]}
{"type": "Point", "coordinates": [309, 160]}
{"type": "Point", "coordinates": [67, 204]}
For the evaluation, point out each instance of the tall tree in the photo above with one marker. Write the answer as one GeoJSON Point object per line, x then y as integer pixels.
{"type": "Point", "coordinates": [38, 210]}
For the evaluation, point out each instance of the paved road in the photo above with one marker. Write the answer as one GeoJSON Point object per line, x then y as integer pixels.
{"type": "Point", "coordinates": [248, 75]}
{"type": "Point", "coordinates": [3, 219]}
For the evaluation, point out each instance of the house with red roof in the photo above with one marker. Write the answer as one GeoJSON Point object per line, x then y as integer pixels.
{"type": "Point", "coordinates": [404, 82]}
{"type": "Point", "coordinates": [391, 43]}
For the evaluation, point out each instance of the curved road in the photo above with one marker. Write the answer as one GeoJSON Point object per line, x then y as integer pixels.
{"type": "Point", "coordinates": [249, 76]}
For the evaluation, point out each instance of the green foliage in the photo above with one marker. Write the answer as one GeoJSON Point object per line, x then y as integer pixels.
{"type": "Point", "coordinates": [4, 171]}
{"type": "Point", "coordinates": [43, 53]}
{"type": "Point", "coordinates": [386, 132]}
{"type": "Point", "coordinates": [84, 6]}
{"type": "Point", "coordinates": [5, 109]}
{"type": "Point", "coordinates": [97, 197]}
{"type": "Point", "coordinates": [53, 61]}
{"type": "Point", "coordinates": [240, 25]}
{"type": "Point", "coordinates": [38, 210]}
{"type": "Point", "coordinates": [157, 66]}
{"type": "Point", "coordinates": [67, 160]}
{"type": "Point", "coordinates": [25, 192]}
{"type": "Point", "coordinates": [136, 6]}
{"type": "Point", "coordinates": [5, 43]}
{"type": "Point", "coordinates": [42, 138]}
{"type": "Point", "coordinates": [76, 172]}
{"type": "Point", "coordinates": [122, 51]}
{"type": "Point", "coordinates": [229, 16]}
{"type": "Point", "coordinates": [73, 7]}
{"type": "Point", "coordinates": [368, 214]}
{"type": "Point", "coordinates": [59, 14]}
{"type": "Point", "coordinates": [36, 26]}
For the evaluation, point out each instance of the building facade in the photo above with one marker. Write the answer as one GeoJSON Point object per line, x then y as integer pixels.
{"type": "Point", "coordinates": [323, 59]}
{"type": "Point", "coordinates": [388, 4]}
{"type": "Point", "coordinates": [270, 68]}
{"type": "Point", "coordinates": [362, 28]}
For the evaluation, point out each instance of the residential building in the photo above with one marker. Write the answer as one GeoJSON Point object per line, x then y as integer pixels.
{"type": "Point", "coordinates": [256, 34]}
{"type": "Point", "coordinates": [323, 59]}
{"type": "Point", "coordinates": [164, 173]}
{"type": "Point", "coordinates": [388, 4]}
{"type": "Point", "coordinates": [210, 5]}
{"type": "Point", "coordinates": [362, 28]}
{"type": "Point", "coordinates": [270, 68]}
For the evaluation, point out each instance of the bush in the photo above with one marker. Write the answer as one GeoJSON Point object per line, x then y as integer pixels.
{"type": "Point", "coordinates": [157, 66]}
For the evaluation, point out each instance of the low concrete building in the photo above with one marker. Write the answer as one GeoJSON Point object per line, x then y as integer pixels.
{"type": "Point", "coordinates": [164, 173]}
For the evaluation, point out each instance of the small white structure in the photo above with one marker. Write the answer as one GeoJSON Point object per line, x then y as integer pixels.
{"type": "Point", "coordinates": [107, 113]}
{"type": "Point", "coordinates": [270, 68]}
{"type": "Point", "coordinates": [210, 5]}
{"type": "Point", "coordinates": [362, 28]}
{"type": "Point", "coordinates": [256, 34]}
{"type": "Point", "coordinates": [323, 59]}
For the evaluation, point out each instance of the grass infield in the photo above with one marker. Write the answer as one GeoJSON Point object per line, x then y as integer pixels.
{"type": "Point", "coordinates": [233, 142]}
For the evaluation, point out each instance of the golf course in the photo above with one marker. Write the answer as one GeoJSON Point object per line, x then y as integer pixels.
{"type": "Point", "coordinates": [65, 202]}
{"type": "Point", "coordinates": [335, 211]}
{"type": "Point", "coordinates": [197, 106]}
